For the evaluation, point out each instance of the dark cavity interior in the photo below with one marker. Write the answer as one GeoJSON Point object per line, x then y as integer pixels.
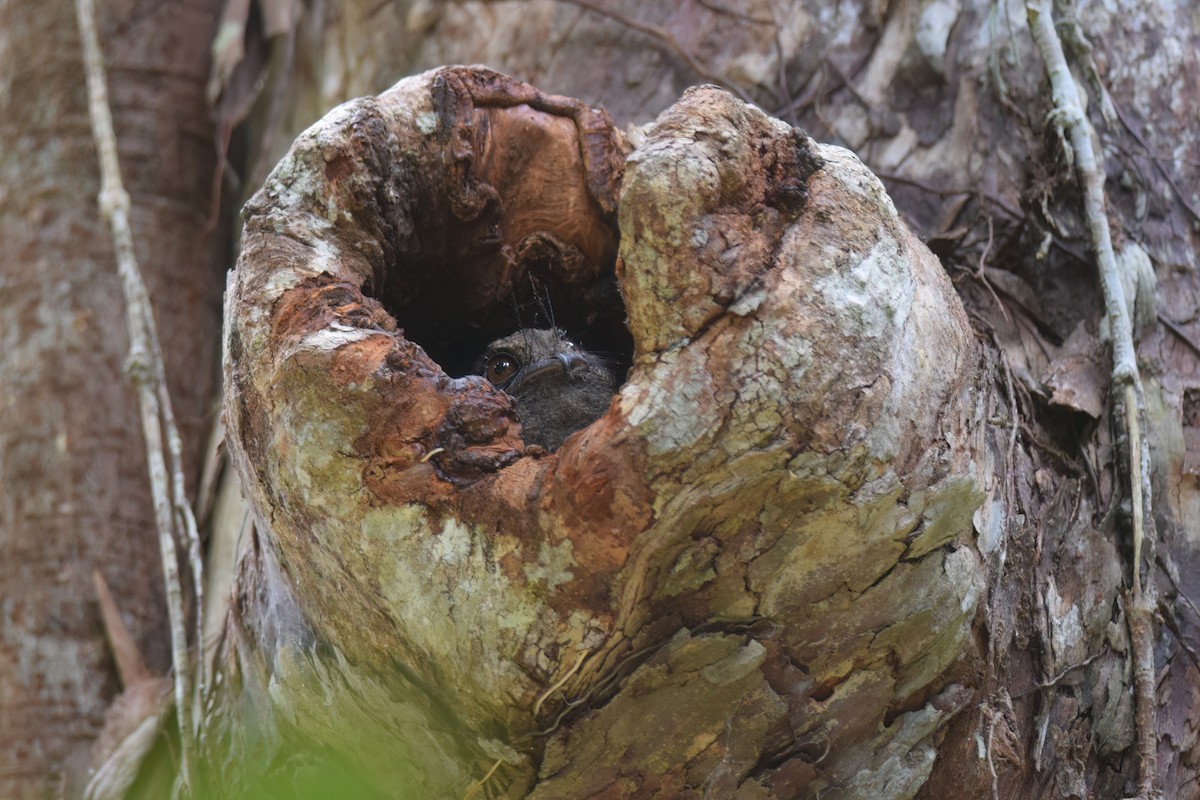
{"type": "Point", "coordinates": [501, 231]}
{"type": "Point", "coordinates": [453, 304]}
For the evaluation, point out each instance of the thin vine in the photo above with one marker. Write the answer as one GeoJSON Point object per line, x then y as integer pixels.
{"type": "Point", "coordinates": [1076, 134]}
{"type": "Point", "coordinates": [144, 367]}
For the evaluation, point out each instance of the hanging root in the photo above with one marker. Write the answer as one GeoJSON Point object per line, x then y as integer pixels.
{"type": "Point", "coordinates": [172, 512]}
{"type": "Point", "coordinates": [1072, 123]}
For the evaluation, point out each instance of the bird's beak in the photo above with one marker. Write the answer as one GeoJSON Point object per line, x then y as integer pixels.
{"type": "Point", "coordinates": [559, 362]}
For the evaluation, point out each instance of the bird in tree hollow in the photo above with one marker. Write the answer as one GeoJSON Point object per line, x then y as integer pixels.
{"type": "Point", "coordinates": [557, 386]}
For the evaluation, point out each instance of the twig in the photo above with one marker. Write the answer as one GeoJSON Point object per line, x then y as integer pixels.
{"type": "Point", "coordinates": [1157, 161]}
{"type": "Point", "coordinates": [660, 35]}
{"type": "Point", "coordinates": [990, 762]}
{"type": "Point", "coordinates": [537, 707]}
{"type": "Point", "coordinates": [849, 84]}
{"type": "Point", "coordinates": [664, 38]}
{"type": "Point", "coordinates": [185, 518]}
{"type": "Point", "coordinates": [1052, 682]}
{"type": "Point", "coordinates": [1169, 571]}
{"type": "Point", "coordinates": [944, 191]}
{"type": "Point", "coordinates": [717, 8]}
{"type": "Point", "coordinates": [1069, 119]}
{"type": "Point", "coordinates": [145, 370]}
{"type": "Point", "coordinates": [1168, 614]}
{"type": "Point", "coordinates": [981, 276]}
{"type": "Point", "coordinates": [794, 105]}
{"type": "Point", "coordinates": [474, 788]}
{"type": "Point", "coordinates": [1179, 332]}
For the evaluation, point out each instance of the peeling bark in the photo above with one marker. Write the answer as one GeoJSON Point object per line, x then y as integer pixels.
{"type": "Point", "coordinates": [768, 534]}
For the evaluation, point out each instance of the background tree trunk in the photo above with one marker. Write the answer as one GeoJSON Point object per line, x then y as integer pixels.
{"type": "Point", "coordinates": [946, 101]}
{"type": "Point", "coordinates": [72, 461]}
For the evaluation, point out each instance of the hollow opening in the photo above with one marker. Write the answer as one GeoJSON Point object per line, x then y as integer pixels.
{"type": "Point", "coordinates": [592, 315]}
{"type": "Point", "coordinates": [453, 304]}
{"type": "Point", "coordinates": [505, 221]}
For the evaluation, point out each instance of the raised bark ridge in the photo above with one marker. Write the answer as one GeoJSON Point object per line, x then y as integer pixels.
{"type": "Point", "coordinates": [733, 580]}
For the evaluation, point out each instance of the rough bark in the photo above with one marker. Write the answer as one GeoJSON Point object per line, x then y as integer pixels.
{"type": "Point", "coordinates": [945, 100]}
{"type": "Point", "coordinates": [72, 464]}
{"type": "Point", "coordinates": [665, 606]}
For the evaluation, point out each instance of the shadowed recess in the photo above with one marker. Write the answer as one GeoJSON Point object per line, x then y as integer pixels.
{"type": "Point", "coordinates": [509, 222]}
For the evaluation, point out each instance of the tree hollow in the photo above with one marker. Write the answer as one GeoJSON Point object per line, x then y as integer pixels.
{"type": "Point", "coordinates": [757, 560]}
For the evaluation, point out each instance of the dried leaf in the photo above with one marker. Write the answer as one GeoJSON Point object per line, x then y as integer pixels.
{"type": "Point", "coordinates": [241, 54]}
{"type": "Point", "coordinates": [117, 772]}
{"type": "Point", "coordinates": [228, 47]}
{"type": "Point", "coordinates": [132, 721]}
{"type": "Point", "coordinates": [1017, 289]}
{"type": "Point", "coordinates": [1076, 376]}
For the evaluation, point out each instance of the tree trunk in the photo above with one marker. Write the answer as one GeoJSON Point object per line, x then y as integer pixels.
{"type": "Point", "coordinates": [944, 100]}
{"type": "Point", "coordinates": [71, 457]}
{"type": "Point", "coordinates": [803, 388]}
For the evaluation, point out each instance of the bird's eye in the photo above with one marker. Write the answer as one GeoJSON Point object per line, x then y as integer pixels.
{"type": "Point", "coordinates": [500, 368]}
